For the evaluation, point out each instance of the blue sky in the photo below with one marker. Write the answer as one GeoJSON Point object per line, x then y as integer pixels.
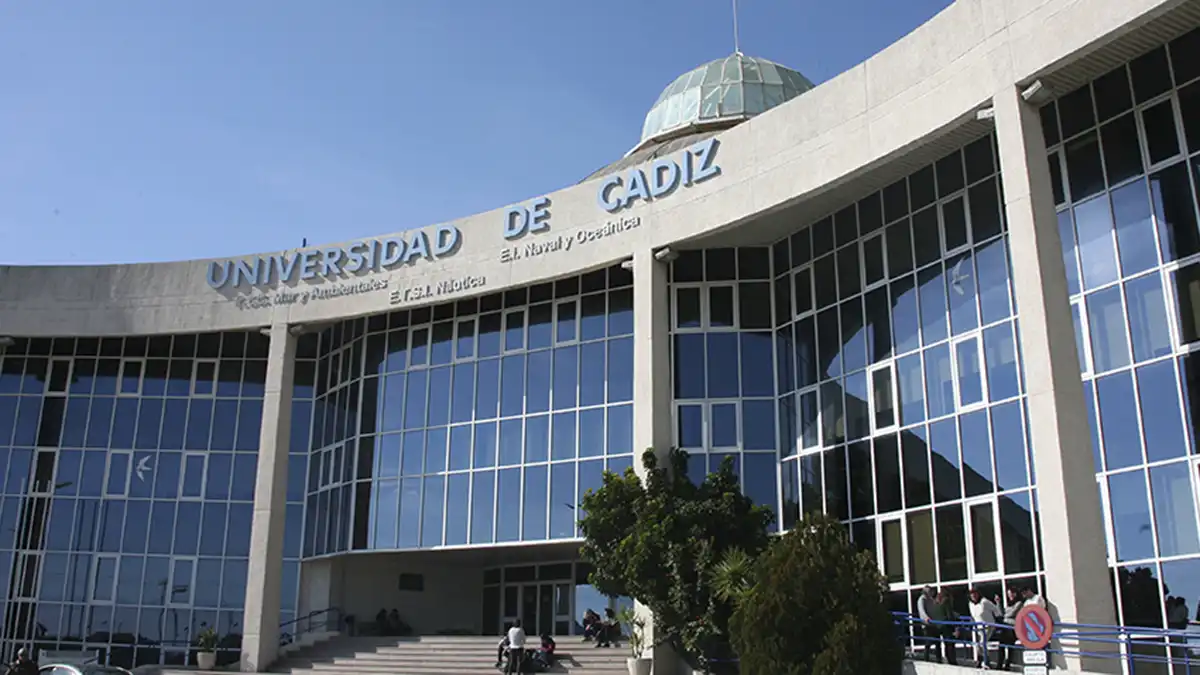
{"type": "Point", "coordinates": [141, 130]}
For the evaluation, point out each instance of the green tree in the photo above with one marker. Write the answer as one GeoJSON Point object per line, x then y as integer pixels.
{"type": "Point", "coordinates": [659, 540]}
{"type": "Point", "coordinates": [815, 605]}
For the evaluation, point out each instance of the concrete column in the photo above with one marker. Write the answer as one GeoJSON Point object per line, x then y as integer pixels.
{"type": "Point", "coordinates": [1072, 530]}
{"type": "Point", "coordinates": [260, 632]}
{"type": "Point", "coordinates": [651, 357]}
{"type": "Point", "coordinates": [652, 394]}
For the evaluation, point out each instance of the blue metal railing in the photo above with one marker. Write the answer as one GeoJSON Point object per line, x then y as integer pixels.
{"type": "Point", "coordinates": [1133, 645]}
{"type": "Point", "coordinates": [329, 619]}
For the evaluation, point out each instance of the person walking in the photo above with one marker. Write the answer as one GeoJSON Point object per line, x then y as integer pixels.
{"type": "Point", "coordinates": [516, 647]}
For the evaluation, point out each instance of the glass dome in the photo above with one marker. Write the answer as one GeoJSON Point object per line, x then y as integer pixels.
{"type": "Point", "coordinates": [733, 88]}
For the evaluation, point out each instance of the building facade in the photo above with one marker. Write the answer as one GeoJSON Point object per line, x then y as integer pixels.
{"type": "Point", "coordinates": [946, 296]}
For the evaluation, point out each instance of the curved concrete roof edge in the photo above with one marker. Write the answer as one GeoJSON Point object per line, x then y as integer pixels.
{"type": "Point", "coordinates": [911, 90]}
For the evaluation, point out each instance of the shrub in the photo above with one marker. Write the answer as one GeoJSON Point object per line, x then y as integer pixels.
{"type": "Point", "coordinates": [815, 606]}
{"type": "Point", "coordinates": [659, 540]}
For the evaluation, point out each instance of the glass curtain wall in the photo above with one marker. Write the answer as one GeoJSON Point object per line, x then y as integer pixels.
{"type": "Point", "coordinates": [130, 467]}
{"type": "Point", "coordinates": [475, 422]}
{"type": "Point", "coordinates": [724, 366]}
{"type": "Point", "coordinates": [880, 342]}
{"type": "Point", "coordinates": [1123, 153]}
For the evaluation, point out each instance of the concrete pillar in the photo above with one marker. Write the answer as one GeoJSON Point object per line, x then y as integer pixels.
{"type": "Point", "coordinates": [1072, 531]}
{"type": "Point", "coordinates": [260, 632]}
{"type": "Point", "coordinates": [652, 393]}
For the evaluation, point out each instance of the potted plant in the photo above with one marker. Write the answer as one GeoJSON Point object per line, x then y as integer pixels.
{"type": "Point", "coordinates": [637, 663]}
{"type": "Point", "coordinates": [206, 643]}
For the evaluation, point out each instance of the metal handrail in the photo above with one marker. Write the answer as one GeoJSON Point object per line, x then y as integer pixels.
{"type": "Point", "coordinates": [321, 619]}
{"type": "Point", "coordinates": [1183, 645]}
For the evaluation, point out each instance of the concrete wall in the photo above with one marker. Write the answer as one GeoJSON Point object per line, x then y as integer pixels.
{"type": "Point", "coordinates": [929, 81]}
{"type": "Point", "coordinates": [452, 599]}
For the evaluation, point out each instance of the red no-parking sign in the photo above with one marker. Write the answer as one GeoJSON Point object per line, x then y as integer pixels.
{"type": "Point", "coordinates": [1034, 627]}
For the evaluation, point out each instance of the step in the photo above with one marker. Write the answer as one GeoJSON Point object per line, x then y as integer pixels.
{"type": "Point", "coordinates": [418, 661]}
{"type": "Point", "coordinates": [484, 671]}
{"type": "Point", "coordinates": [437, 670]}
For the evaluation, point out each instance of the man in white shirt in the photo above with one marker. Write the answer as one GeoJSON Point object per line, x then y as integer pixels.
{"type": "Point", "coordinates": [516, 647]}
{"type": "Point", "coordinates": [928, 630]}
{"type": "Point", "coordinates": [983, 611]}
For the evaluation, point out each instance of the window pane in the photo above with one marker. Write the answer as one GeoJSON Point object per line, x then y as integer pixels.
{"type": "Point", "coordinates": [933, 305]}
{"type": "Point", "coordinates": [1171, 193]}
{"type": "Point", "coordinates": [921, 558]}
{"type": "Point", "coordinates": [1158, 393]}
{"type": "Point", "coordinates": [1135, 228]}
{"type": "Point", "coordinates": [983, 538]}
{"type": "Point", "coordinates": [1084, 171]}
{"type": "Point", "coordinates": [1161, 140]}
{"type": "Point", "coordinates": [952, 543]}
{"type": "Point", "coordinates": [1066, 233]}
{"type": "Point", "coordinates": [912, 389]}
{"type": "Point", "coordinates": [1131, 516]}
{"type": "Point", "coordinates": [1106, 322]}
{"type": "Point", "coordinates": [1174, 510]}
{"type": "Point", "coordinates": [1000, 350]}
{"type": "Point", "coordinates": [1093, 223]}
{"type": "Point", "coordinates": [970, 381]}
{"type": "Point", "coordinates": [892, 538]}
{"type": "Point", "coordinates": [1122, 153]}
{"type": "Point", "coordinates": [720, 307]}
{"type": "Point", "coordinates": [1118, 421]}
{"type": "Point", "coordinates": [978, 476]}
{"type": "Point", "coordinates": [1147, 318]}
{"type": "Point", "coordinates": [939, 381]}
{"type": "Point", "coordinates": [883, 398]}
{"type": "Point", "coordinates": [1187, 302]}
{"type": "Point", "coordinates": [1008, 443]}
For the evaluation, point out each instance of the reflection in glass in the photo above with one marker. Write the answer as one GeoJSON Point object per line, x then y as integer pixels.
{"type": "Point", "coordinates": [1118, 421]}
{"type": "Point", "coordinates": [1132, 531]}
{"type": "Point", "coordinates": [952, 543]}
{"type": "Point", "coordinates": [1093, 223]}
{"type": "Point", "coordinates": [1159, 396]}
{"type": "Point", "coordinates": [922, 561]}
{"type": "Point", "coordinates": [969, 375]}
{"type": "Point", "coordinates": [1174, 509]}
{"type": "Point", "coordinates": [983, 538]}
{"type": "Point", "coordinates": [1147, 318]}
{"type": "Point", "coordinates": [892, 538]}
{"type": "Point", "coordinates": [1135, 228]}
{"type": "Point", "coordinates": [939, 381]}
{"type": "Point", "coordinates": [1106, 324]}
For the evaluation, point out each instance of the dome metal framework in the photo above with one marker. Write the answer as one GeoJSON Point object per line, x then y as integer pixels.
{"type": "Point", "coordinates": [726, 90]}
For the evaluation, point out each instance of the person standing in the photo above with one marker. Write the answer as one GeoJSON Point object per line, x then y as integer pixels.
{"type": "Point", "coordinates": [516, 647]}
{"type": "Point", "coordinates": [983, 614]}
{"type": "Point", "coordinates": [23, 665]}
{"type": "Point", "coordinates": [944, 618]}
{"type": "Point", "coordinates": [1008, 634]}
{"type": "Point", "coordinates": [930, 632]}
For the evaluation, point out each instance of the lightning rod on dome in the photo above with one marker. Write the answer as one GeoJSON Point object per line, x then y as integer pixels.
{"type": "Point", "coordinates": [737, 47]}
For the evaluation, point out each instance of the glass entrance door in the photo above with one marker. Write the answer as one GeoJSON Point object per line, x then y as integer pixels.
{"type": "Point", "coordinates": [542, 608]}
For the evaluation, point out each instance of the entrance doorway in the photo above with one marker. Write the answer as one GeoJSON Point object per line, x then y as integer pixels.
{"type": "Point", "coordinates": [547, 598]}
{"type": "Point", "coordinates": [541, 607]}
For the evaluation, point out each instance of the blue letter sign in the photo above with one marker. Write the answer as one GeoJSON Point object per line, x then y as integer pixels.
{"type": "Point", "coordinates": [695, 165]}
{"type": "Point", "coordinates": [331, 263]}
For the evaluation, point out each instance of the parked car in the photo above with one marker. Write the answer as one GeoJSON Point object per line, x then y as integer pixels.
{"type": "Point", "coordinates": [84, 669]}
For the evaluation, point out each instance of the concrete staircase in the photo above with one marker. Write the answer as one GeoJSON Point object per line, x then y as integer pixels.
{"type": "Point", "coordinates": [437, 655]}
